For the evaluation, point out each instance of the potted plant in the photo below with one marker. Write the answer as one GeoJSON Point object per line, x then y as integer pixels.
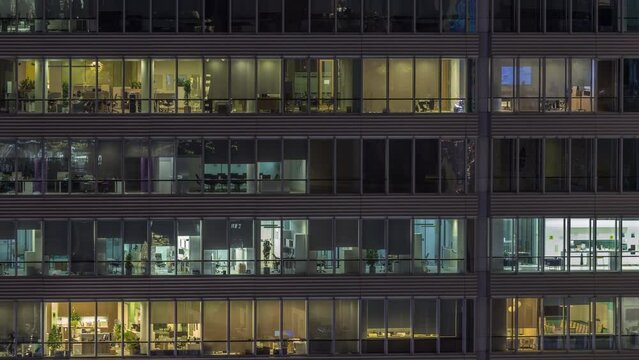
{"type": "Point", "coordinates": [136, 84]}
{"type": "Point", "coordinates": [75, 318]}
{"type": "Point", "coordinates": [266, 253]}
{"type": "Point", "coordinates": [54, 341]}
{"type": "Point", "coordinates": [371, 260]}
{"type": "Point", "coordinates": [132, 343]}
{"type": "Point", "coordinates": [185, 84]}
{"type": "Point", "coordinates": [128, 264]}
{"type": "Point", "coordinates": [25, 93]}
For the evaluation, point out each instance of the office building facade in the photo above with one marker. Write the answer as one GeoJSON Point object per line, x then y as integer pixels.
{"type": "Point", "coordinates": [319, 178]}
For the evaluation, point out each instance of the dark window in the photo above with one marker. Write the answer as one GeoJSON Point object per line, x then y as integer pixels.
{"type": "Point", "coordinates": [190, 15]}
{"type": "Point", "coordinates": [427, 166]}
{"type": "Point", "coordinates": [322, 15]}
{"type": "Point", "coordinates": [454, 166]}
{"type": "Point", "coordinates": [582, 15]}
{"type": "Point", "coordinates": [163, 16]}
{"type": "Point", "coordinates": [504, 15]}
{"type": "Point", "coordinates": [556, 165]}
{"type": "Point", "coordinates": [556, 16]}
{"type": "Point", "coordinates": [454, 15]}
{"type": "Point", "coordinates": [137, 15]}
{"type": "Point", "coordinates": [428, 16]}
{"type": "Point", "coordinates": [269, 15]}
{"type": "Point", "coordinates": [631, 85]}
{"type": "Point", "coordinates": [349, 15]}
{"type": "Point", "coordinates": [111, 15]}
{"type": "Point", "coordinates": [529, 165]}
{"type": "Point", "coordinates": [400, 162]}
{"type": "Point", "coordinates": [631, 16]}
{"type": "Point", "coordinates": [82, 248]}
{"type": "Point", "coordinates": [607, 164]}
{"type": "Point", "coordinates": [296, 12]}
{"type": "Point", "coordinates": [216, 168]}
{"type": "Point", "coordinates": [630, 165]}
{"type": "Point", "coordinates": [216, 15]}
{"type": "Point", "coordinates": [348, 165]}
{"type": "Point", "coordinates": [57, 14]}
{"type": "Point", "coordinates": [607, 85]}
{"type": "Point", "coordinates": [581, 165]}
{"type": "Point", "coordinates": [243, 19]}
{"type": "Point", "coordinates": [29, 15]}
{"type": "Point", "coordinates": [530, 15]}
{"type": "Point", "coordinates": [83, 16]}
{"type": "Point", "coordinates": [321, 166]}
{"type": "Point", "coordinates": [374, 165]}
{"type": "Point", "coordinates": [607, 14]}
{"type": "Point", "coordinates": [401, 15]}
{"type": "Point", "coordinates": [504, 165]}
{"type": "Point", "coordinates": [375, 15]}
{"type": "Point", "coordinates": [56, 248]}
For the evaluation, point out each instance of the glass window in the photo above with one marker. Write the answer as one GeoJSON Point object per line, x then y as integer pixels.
{"type": "Point", "coordinates": [136, 86]}
{"type": "Point", "coordinates": [56, 153]}
{"type": "Point", "coordinates": [349, 85]}
{"type": "Point", "coordinates": [399, 325]}
{"type": "Point", "coordinates": [30, 85]}
{"type": "Point", "coordinates": [607, 164]}
{"type": "Point", "coordinates": [583, 16]}
{"type": "Point", "coordinates": [529, 244]}
{"type": "Point", "coordinates": [556, 165]}
{"type": "Point", "coordinates": [374, 165]}
{"type": "Point", "coordinates": [7, 16]}
{"type": "Point", "coordinates": [426, 246]}
{"type": "Point", "coordinates": [83, 166]}
{"type": "Point", "coordinates": [400, 160]}
{"type": "Point", "coordinates": [162, 166]}
{"type": "Point", "coordinates": [322, 15]}
{"type": "Point", "coordinates": [529, 160]}
{"type": "Point", "coordinates": [629, 322]}
{"type": "Point", "coordinates": [111, 15]}
{"type": "Point", "coordinates": [503, 84]}
{"type": "Point", "coordinates": [243, 166]}
{"type": "Point", "coordinates": [57, 13]}
{"type": "Point", "coordinates": [83, 16]}
{"type": "Point", "coordinates": [270, 235]}
{"type": "Point", "coordinates": [162, 327]}
{"type": "Point", "coordinates": [375, 85]}
{"type": "Point", "coordinates": [82, 323]}
{"type": "Point", "coordinates": [296, 19]}
{"type": "Point", "coordinates": [189, 85]}
{"type": "Point", "coordinates": [188, 327]}
{"type": "Point", "coordinates": [269, 15]}
{"type": "Point", "coordinates": [136, 329]}
{"type": "Point", "coordinates": [83, 85]}
{"type": "Point", "coordinates": [29, 163]}
{"type": "Point", "coordinates": [605, 323]}
{"type": "Point", "coordinates": [29, 250]}
{"type": "Point", "coordinates": [164, 85]}
{"type": "Point", "coordinates": [400, 85]}
{"type": "Point", "coordinates": [373, 246]}
{"type": "Point", "coordinates": [216, 86]}
{"type": "Point", "coordinates": [269, 80]}
{"type": "Point", "coordinates": [321, 166]}
{"type": "Point", "coordinates": [8, 172]}
{"type": "Point", "coordinates": [607, 243]}
{"type": "Point", "coordinates": [555, 244]}
{"type": "Point", "coordinates": [401, 16]}
{"type": "Point", "coordinates": [296, 85]}
{"type": "Point", "coordinates": [631, 82]}
{"type": "Point", "coordinates": [320, 326]}
{"type": "Point", "coordinates": [109, 328]}
{"type": "Point", "coordinates": [7, 252]}
{"type": "Point", "coordinates": [454, 15]}
{"type": "Point", "coordinates": [581, 165]}
{"type": "Point", "coordinates": [216, 165]}
{"type": "Point", "coordinates": [502, 245]}
{"type": "Point", "coordinates": [504, 17]}
{"type": "Point", "coordinates": [7, 85]}
{"type": "Point", "coordinates": [581, 89]}
{"type": "Point", "coordinates": [215, 246]}
{"type": "Point", "coordinates": [630, 165]}
{"type": "Point", "coordinates": [163, 247]}
{"type": "Point", "coordinates": [556, 90]}
{"type": "Point", "coordinates": [427, 165]}
{"type": "Point", "coordinates": [189, 247]}
{"type": "Point", "coordinates": [294, 246]}
{"type": "Point", "coordinates": [453, 85]}
{"type": "Point", "coordinates": [607, 84]}
{"type": "Point", "coordinates": [450, 331]}
{"type": "Point", "coordinates": [373, 328]}
{"type": "Point", "coordinates": [137, 16]}
{"type": "Point", "coordinates": [453, 165]}
{"type": "Point", "coordinates": [189, 166]}
{"type": "Point", "coordinates": [82, 247]}
{"type": "Point", "coordinates": [242, 252]}
{"type": "Point", "coordinates": [109, 166]}
{"type": "Point", "coordinates": [57, 90]}
{"type": "Point", "coordinates": [346, 326]}
{"type": "Point", "coordinates": [56, 328]}
{"type": "Point", "coordinates": [294, 333]}
{"type": "Point", "coordinates": [241, 327]}
{"type": "Point", "coordinates": [269, 166]}
{"type": "Point", "coordinates": [453, 245]}
{"type": "Point", "coordinates": [56, 251]}
{"type": "Point", "coordinates": [28, 332]}
{"type": "Point", "coordinates": [425, 325]}
{"type": "Point", "coordinates": [504, 171]}
{"type": "Point", "coordinates": [215, 316]}
{"type": "Point", "coordinates": [295, 163]}
{"type": "Point", "coordinates": [243, 16]}
{"type": "Point", "coordinates": [108, 247]}
{"type": "Point", "coordinates": [555, 319]}
{"type": "Point", "coordinates": [557, 16]}
{"type": "Point", "coordinates": [528, 84]}
{"type": "Point", "coordinates": [216, 15]}
{"type": "Point", "coordinates": [136, 166]}
{"type": "Point", "coordinates": [243, 85]}
{"type": "Point", "coordinates": [427, 87]}
{"type": "Point", "coordinates": [136, 247]}
{"type": "Point", "coordinates": [29, 16]}
{"type": "Point", "coordinates": [427, 15]}
{"type": "Point", "coordinates": [322, 85]}
{"type": "Point", "coordinates": [190, 15]}
{"type": "Point", "coordinates": [399, 260]}
{"type": "Point", "coordinates": [349, 15]}
{"type": "Point", "coordinates": [631, 16]}
{"type": "Point", "coordinates": [110, 90]}
{"type": "Point", "coordinates": [347, 246]}
{"type": "Point", "coordinates": [348, 165]}
{"type": "Point", "coordinates": [375, 15]}
{"type": "Point", "coordinates": [580, 329]}
{"type": "Point", "coordinates": [581, 244]}
{"type": "Point", "coordinates": [530, 11]}
{"type": "Point", "coordinates": [267, 327]}
{"type": "Point", "coordinates": [163, 16]}
{"type": "Point", "coordinates": [320, 251]}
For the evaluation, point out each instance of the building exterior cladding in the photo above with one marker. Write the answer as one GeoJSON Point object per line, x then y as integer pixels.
{"type": "Point", "coordinates": [319, 178]}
